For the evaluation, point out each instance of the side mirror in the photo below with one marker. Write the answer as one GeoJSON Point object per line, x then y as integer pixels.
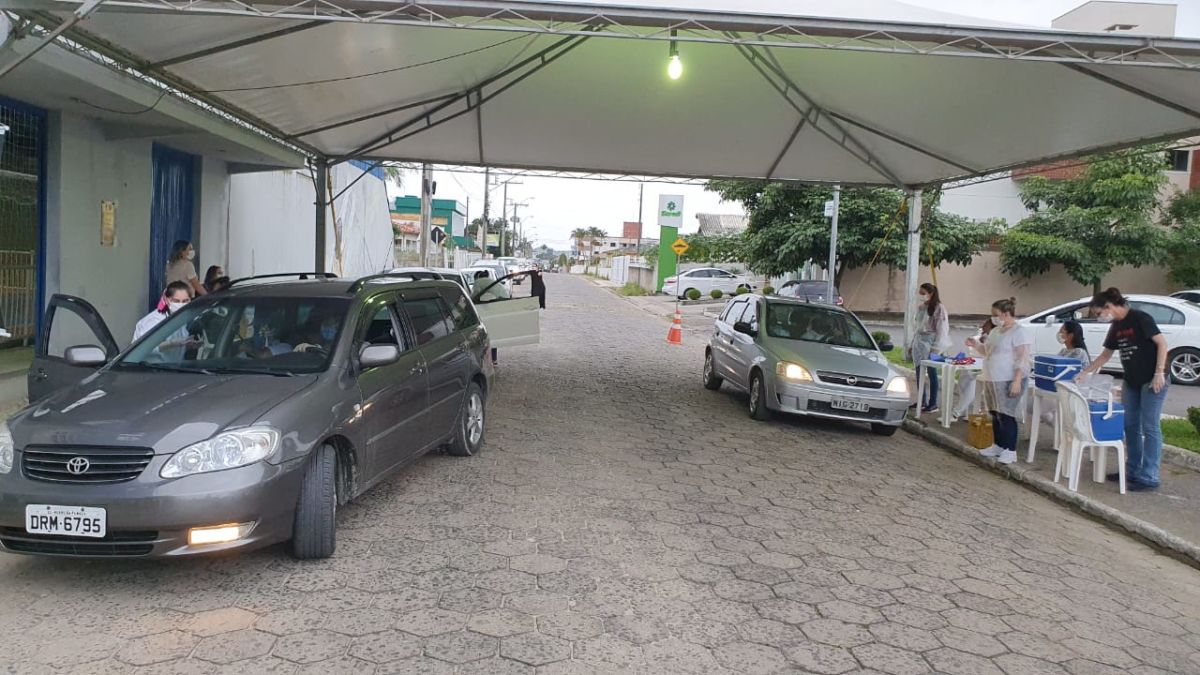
{"type": "Point", "coordinates": [88, 356]}
{"type": "Point", "coordinates": [374, 356]}
{"type": "Point", "coordinates": [886, 347]}
{"type": "Point", "coordinates": [744, 328]}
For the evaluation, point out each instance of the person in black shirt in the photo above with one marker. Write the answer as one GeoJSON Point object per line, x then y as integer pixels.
{"type": "Point", "coordinates": [1143, 352]}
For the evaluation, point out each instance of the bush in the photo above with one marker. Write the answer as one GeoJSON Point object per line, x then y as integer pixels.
{"type": "Point", "coordinates": [768, 290]}
{"type": "Point", "coordinates": [716, 294]}
{"type": "Point", "coordinates": [740, 290]}
{"type": "Point", "coordinates": [693, 294]}
{"type": "Point", "coordinates": [1194, 418]}
{"type": "Point", "coordinates": [632, 288]}
{"type": "Point", "coordinates": [882, 337]}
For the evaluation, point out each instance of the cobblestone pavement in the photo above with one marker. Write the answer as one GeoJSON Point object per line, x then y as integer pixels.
{"type": "Point", "coordinates": [624, 520]}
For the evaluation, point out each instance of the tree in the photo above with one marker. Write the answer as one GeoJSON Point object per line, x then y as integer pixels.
{"type": "Point", "coordinates": [1183, 240]}
{"type": "Point", "coordinates": [1089, 224]}
{"type": "Point", "coordinates": [580, 235]}
{"type": "Point", "coordinates": [788, 228]}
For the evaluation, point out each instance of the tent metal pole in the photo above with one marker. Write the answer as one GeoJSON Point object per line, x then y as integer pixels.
{"type": "Point", "coordinates": [320, 182]}
{"type": "Point", "coordinates": [78, 15]}
{"type": "Point", "coordinates": [912, 272]}
{"type": "Point", "coordinates": [228, 46]}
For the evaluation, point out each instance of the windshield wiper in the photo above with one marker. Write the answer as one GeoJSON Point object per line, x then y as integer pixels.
{"type": "Point", "coordinates": [165, 367]}
{"type": "Point", "coordinates": [252, 371]}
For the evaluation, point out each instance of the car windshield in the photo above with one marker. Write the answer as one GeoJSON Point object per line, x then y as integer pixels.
{"type": "Point", "coordinates": [816, 323]}
{"type": "Point", "coordinates": [262, 335]}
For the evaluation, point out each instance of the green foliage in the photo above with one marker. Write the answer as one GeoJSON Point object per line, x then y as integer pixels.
{"type": "Point", "coordinates": [768, 290]}
{"type": "Point", "coordinates": [693, 294]}
{"type": "Point", "coordinates": [1183, 242]}
{"type": "Point", "coordinates": [1193, 415]}
{"type": "Point", "coordinates": [740, 290]}
{"type": "Point", "coordinates": [788, 228]}
{"type": "Point", "coordinates": [563, 260]}
{"type": "Point", "coordinates": [718, 249]}
{"type": "Point", "coordinates": [716, 294]}
{"type": "Point", "coordinates": [1181, 434]}
{"type": "Point", "coordinates": [881, 337]}
{"type": "Point", "coordinates": [1092, 223]}
{"type": "Point", "coordinates": [632, 288]}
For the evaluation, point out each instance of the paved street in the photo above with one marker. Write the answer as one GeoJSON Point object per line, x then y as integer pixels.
{"type": "Point", "coordinates": [625, 520]}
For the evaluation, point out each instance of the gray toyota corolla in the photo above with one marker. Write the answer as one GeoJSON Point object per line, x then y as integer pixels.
{"type": "Point", "coordinates": [242, 420]}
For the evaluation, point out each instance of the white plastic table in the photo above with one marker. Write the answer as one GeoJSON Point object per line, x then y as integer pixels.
{"type": "Point", "coordinates": [947, 372]}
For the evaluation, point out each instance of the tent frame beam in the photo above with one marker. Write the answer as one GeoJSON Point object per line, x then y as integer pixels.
{"type": "Point", "coordinates": [515, 74]}
{"type": "Point", "coordinates": [843, 138]}
{"type": "Point", "coordinates": [1136, 91]}
{"type": "Point", "coordinates": [562, 19]}
{"type": "Point", "coordinates": [230, 46]}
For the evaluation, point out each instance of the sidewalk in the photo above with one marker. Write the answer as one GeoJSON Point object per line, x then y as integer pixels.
{"type": "Point", "coordinates": [1168, 517]}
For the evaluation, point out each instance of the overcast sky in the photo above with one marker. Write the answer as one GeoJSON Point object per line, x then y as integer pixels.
{"type": "Point", "coordinates": [558, 205]}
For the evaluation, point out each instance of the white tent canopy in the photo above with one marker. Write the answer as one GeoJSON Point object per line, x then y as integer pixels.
{"type": "Point", "coordinates": [882, 93]}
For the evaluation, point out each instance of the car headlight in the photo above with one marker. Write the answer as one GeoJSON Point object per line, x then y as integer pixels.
{"type": "Point", "coordinates": [898, 385]}
{"type": "Point", "coordinates": [793, 371]}
{"type": "Point", "coordinates": [227, 450]}
{"type": "Point", "coordinates": [6, 449]}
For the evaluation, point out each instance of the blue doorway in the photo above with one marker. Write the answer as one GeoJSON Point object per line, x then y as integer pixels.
{"type": "Point", "coordinates": [172, 210]}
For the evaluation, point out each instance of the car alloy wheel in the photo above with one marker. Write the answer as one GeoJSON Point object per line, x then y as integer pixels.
{"type": "Point", "coordinates": [1185, 367]}
{"type": "Point", "coordinates": [711, 381]}
{"type": "Point", "coordinates": [474, 418]}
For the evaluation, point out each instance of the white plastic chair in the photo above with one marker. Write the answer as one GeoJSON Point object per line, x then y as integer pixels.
{"type": "Point", "coordinates": [1078, 436]}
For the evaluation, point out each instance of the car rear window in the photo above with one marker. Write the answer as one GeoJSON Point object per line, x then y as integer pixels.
{"type": "Point", "coordinates": [429, 316]}
{"type": "Point", "coordinates": [462, 314]}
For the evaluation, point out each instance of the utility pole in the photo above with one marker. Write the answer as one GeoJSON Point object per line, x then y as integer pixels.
{"type": "Point", "coordinates": [641, 196]}
{"type": "Point", "coordinates": [506, 223]}
{"type": "Point", "coordinates": [487, 187]}
{"type": "Point", "coordinates": [833, 243]}
{"type": "Point", "coordinates": [426, 211]}
{"type": "Point", "coordinates": [515, 221]}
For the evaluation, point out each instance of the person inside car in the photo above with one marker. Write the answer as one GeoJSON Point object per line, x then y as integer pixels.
{"type": "Point", "coordinates": [319, 335]}
{"type": "Point", "coordinates": [492, 292]}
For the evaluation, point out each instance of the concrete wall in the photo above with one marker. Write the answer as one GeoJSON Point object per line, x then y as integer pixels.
{"type": "Point", "coordinates": [971, 290]}
{"type": "Point", "coordinates": [212, 215]}
{"type": "Point", "coordinates": [1147, 18]}
{"type": "Point", "coordinates": [994, 199]}
{"type": "Point", "coordinates": [85, 168]}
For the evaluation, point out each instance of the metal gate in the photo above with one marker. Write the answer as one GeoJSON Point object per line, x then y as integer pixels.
{"type": "Point", "coordinates": [22, 215]}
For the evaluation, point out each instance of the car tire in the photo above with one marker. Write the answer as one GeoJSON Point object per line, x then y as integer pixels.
{"type": "Point", "coordinates": [469, 427]}
{"type": "Point", "coordinates": [712, 381]}
{"type": "Point", "coordinates": [758, 398]}
{"type": "Point", "coordinates": [314, 530]}
{"type": "Point", "coordinates": [1184, 366]}
{"type": "Point", "coordinates": [884, 429]}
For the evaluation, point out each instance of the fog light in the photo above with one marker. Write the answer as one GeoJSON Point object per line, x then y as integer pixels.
{"type": "Point", "coordinates": [218, 534]}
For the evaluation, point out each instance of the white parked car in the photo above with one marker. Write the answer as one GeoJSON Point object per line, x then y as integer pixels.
{"type": "Point", "coordinates": [1190, 296]}
{"type": "Point", "coordinates": [1178, 319]}
{"type": "Point", "coordinates": [705, 279]}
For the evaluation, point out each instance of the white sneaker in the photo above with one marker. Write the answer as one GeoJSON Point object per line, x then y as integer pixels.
{"type": "Point", "coordinates": [993, 451]}
{"type": "Point", "coordinates": [1007, 457]}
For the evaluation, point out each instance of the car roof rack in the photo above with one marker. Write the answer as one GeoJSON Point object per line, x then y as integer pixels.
{"type": "Point", "coordinates": [410, 275]}
{"type": "Point", "coordinates": [303, 276]}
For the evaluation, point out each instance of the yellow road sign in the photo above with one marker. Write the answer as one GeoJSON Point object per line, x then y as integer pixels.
{"type": "Point", "coordinates": [680, 246]}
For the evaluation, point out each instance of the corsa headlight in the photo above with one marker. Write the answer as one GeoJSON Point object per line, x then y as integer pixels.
{"type": "Point", "coordinates": [793, 371]}
{"type": "Point", "coordinates": [227, 450]}
{"type": "Point", "coordinates": [6, 449]}
{"type": "Point", "coordinates": [898, 385]}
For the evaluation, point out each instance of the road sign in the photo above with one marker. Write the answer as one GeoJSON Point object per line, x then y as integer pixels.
{"type": "Point", "coordinates": [437, 234]}
{"type": "Point", "coordinates": [680, 246]}
{"type": "Point", "coordinates": [829, 206]}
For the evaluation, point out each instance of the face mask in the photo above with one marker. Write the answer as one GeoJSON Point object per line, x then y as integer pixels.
{"type": "Point", "coordinates": [924, 298]}
{"type": "Point", "coordinates": [1062, 339]}
{"type": "Point", "coordinates": [248, 315]}
{"type": "Point", "coordinates": [1105, 318]}
{"type": "Point", "coordinates": [173, 307]}
{"type": "Point", "coordinates": [995, 321]}
{"type": "Point", "coordinates": [191, 254]}
{"type": "Point", "coordinates": [328, 332]}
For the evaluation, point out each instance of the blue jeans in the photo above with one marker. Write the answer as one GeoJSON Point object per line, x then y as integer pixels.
{"type": "Point", "coordinates": [1143, 432]}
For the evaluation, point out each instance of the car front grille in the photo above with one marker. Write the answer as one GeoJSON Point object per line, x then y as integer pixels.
{"type": "Point", "coordinates": [824, 408]}
{"type": "Point", "coordinates": [114, 544]}
{"type": "Point", "coordinates": [850, 380]}
{"type": "Point", "coordinates": [62, 464]}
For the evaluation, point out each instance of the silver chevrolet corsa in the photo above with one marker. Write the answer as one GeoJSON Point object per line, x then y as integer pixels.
{"type": "Point", "coordinates": [242, 420]}
{"type": "Point", "coordinates": [804, 358]}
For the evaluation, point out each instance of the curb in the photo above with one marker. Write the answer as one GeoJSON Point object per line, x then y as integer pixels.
{"type": "Point", "coordinates": [1142, 530]}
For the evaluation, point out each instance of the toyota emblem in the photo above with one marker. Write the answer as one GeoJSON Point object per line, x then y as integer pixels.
{"type": "Point", "coordinates": [78, 465]}
{"type": "Point", "coordinates": [852, 380]}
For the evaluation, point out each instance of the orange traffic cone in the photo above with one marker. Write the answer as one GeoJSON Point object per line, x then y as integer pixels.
{"type": "Point", "coordinates": [675, 335]}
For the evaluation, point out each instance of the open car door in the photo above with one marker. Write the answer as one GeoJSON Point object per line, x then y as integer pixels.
{"type": "Point", "coordinates": [510, 317]}
{"type": "Point", "coordinates": [69, 322]}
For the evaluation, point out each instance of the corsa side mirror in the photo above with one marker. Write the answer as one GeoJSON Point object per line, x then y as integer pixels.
{"type": "Point", "coordinates": [375, 356]}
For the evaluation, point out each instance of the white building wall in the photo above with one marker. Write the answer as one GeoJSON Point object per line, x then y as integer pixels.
{"type": "Point", "coordinates": [999, 198]}
{"type": "Point", "coordinates": [212, 215]}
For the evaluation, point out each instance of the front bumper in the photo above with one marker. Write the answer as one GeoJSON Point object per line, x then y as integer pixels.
{"type": "Point", "coordinates": [150, 516]}
{"type": "Point", "coordinates": [816, 400]}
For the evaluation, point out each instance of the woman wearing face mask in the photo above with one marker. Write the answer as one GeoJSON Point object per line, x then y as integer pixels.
{"type": "Point", "coordinates": [1144, 354]}
{"type": "Point", "coordinates": [967, 379]}
{"type": "Point", "coordinates": [1070, 336]}
{"type": "Point", "coordinates": [321, 339]}
{"type": "Point", "coordinates": [1006, 371]}
{"type": "Point", "coordinates": [173, 299]}
{"type": "Point", "coordinates": [931, 337]}
{"type": "Point", "coordinates": [181, 268]}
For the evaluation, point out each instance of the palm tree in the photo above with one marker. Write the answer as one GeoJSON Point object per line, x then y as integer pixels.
{"type": "Point", "coordinates": [579, 234]}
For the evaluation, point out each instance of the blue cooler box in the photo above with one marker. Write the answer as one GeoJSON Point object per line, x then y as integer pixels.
{"type": "Point", "coordinates": [1048, 369]}
{"type": "Point", "coordinates": [1111, 429]}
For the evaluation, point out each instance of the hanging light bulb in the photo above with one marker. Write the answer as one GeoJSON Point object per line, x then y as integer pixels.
{"type": "Point", "coordinates": [674, 64]}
